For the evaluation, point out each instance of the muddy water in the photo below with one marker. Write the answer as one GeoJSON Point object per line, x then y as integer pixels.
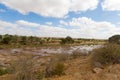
{"type": "Point", "coordinates": [49, 50]}
{"type": "Point", "coordinates": [82, 48]}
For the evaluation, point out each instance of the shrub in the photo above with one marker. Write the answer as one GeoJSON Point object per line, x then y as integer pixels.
{"type": "Point", "coordinates": [23, 40]}
{"type": "Point", "coordinates": [6, 39]}
{"type": "Point", "coordinates": [23, 67]}
{"type": "Point", "coordinates": [40, 75]}
{"type": "Point", "coordinates": [67, 40]}
{"type": "Point", "coordinates": [115, 39]}
{"type": "Point", "coordinates": [56, 65]}
{"type": "Point", "coordinates": [3, 71]}
{"type": "Point", "coordinates": [109, 54]}
{"type": "Point", "coordinates": [55, 69]}
{"type": "Point", "coordinates": [77, 54]}
{"type": "Point", "coordinates": [62, 57]}
{"type": "Point", "coordinates": [63, 41]}
{"type": "Point", "coordinates": [59, 69]}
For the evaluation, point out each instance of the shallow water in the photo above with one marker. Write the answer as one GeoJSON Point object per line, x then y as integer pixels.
{"type": "Point", "coordinates": [46, 51]}
{"type": "Point", "coordinates": [82, 48]}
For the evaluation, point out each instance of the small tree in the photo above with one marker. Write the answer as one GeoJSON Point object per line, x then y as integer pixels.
{"type": "Point", "coordinates": [23, 40]}
{"type": "Point", "coordinates": [115, 39]}
{"type": "Point", "coordinates": [67, 40]}
{"type": "Point", "coordinates": [6, 39]}
{"type": "Point", "coordinates": [63, 41]}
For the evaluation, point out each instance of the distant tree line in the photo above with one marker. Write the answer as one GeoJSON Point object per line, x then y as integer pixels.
{"type": "Point", "coordinates": [26, 40]}
{"type": "Point", "coordinates": [23, 40]}
{"type": "Point", "coordinates": [33, 40]}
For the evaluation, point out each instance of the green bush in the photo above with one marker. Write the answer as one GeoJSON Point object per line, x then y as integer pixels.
{"type": "Point", "coordinates": [67, 40]}
{"type": "Point", "coordinates": [3, 71]}
{"type": "Point", "coordinates": [109, 54]}
{"type": "Point", "coordinates": [6, 39]}
{"type": "Point", "coordinates": [115, 39]}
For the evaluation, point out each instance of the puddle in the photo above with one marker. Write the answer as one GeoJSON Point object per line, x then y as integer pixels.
{"type": "Point", "coordinates": [82, 48]}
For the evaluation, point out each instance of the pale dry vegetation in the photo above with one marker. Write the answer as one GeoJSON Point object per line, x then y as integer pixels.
{"type": "Point", "coordinates": [100, 64]}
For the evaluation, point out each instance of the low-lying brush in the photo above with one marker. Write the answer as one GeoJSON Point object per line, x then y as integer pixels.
{"type": "Point", "coordinates": [77, 54]}
{"type": "Point", "coordinates": [109, 54]}
{"type": "Point", "coordinates": [55, 69]}
{"type": "Point", "coordinates": [3, 71]}
{"type": "Point", "coordinates": [23, 67]}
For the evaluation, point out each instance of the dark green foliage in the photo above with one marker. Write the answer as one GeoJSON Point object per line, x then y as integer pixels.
{"type": "Point", "coordinates": [6, 39]}
{"type": "Point", "coordinates": [115, 39]}
{"type": "Point", "coordinates": [23, 40]}
{"type": "Point", "coordinates": [3, 71]}
{"type": "Point", "coordinates": [31, 39]}
{"type": "Point", "coordinates": [67, 40]}
{"type": "Point", "coordinates": [109, 54]}
{"type": "Point", "coordinates": [14, 39]}
{"type": "Point", "coordinates": [0, 37]}
{"type": "Point", "coordinates": [63, 41]}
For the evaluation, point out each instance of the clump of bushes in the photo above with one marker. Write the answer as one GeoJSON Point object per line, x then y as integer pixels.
{"type": "Point", "coordinates": [77, 54]}
{"type": "Point", "coordinates": [3, 71]}
{"type": "Point", "coordinates": [23, 67]}
{"type": "Point", "coordinates": [109, 54]}
{"type": "Point", "coordinates": [67, 40]}
{"type": "Point", "coordinates": [114, 39]}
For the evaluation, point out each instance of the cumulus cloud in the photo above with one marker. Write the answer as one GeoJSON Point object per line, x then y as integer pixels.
{"type": "Point", "coordinates": [50, 8]}
{"type": "Point", "coordinates": [111, 5]}
{"type": "Point", "coordinates": [26, 23]}
{"type": "Point", "coordinates": [14, 28]}
{"type": "Point", "coordinates": [82, 27]}
{"type": "Point", "coordinates": [63, 23]}
{"type": "Point", "coordinates": [41, 30]}
{"type": "Point", "coordinates": [83, 5]}
{"type": "Point", "coordinates": [94, 29]}
{"type": "Point", "coordinates": [49, 23]}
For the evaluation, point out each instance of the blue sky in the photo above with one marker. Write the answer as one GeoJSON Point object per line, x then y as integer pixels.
{"type": "Point", "coordinates": [51, 18]}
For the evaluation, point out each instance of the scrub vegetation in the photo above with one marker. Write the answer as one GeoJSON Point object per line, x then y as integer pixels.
{"type": "Point", "coordinates": [99, 64]}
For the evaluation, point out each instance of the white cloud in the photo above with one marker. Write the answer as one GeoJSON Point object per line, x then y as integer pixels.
{"type": "Point", "coordinates": [63, 23]}
{"type": "Point", "coordinates": [90, 28]}
{"type": "Point", "coordinates": [50, 8]}
{"type": "Point", "coordinates": [26, 23]}
{"type": "Point", "coordinates": [83, 5]}
{"type": "Point", "coordinates": [14, 28]}
{"type": "Point", "coordinates": [80, 28]}
{"type": "Point", "coordinates": [49, 23]}
{"type": "Point", "coordinates": [111, 5]}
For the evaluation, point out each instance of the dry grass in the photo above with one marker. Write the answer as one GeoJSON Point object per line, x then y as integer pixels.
{"type": "Point", "coordinates": [27, 67]}
{"type": "Point", "coordinates": [109, 54]}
